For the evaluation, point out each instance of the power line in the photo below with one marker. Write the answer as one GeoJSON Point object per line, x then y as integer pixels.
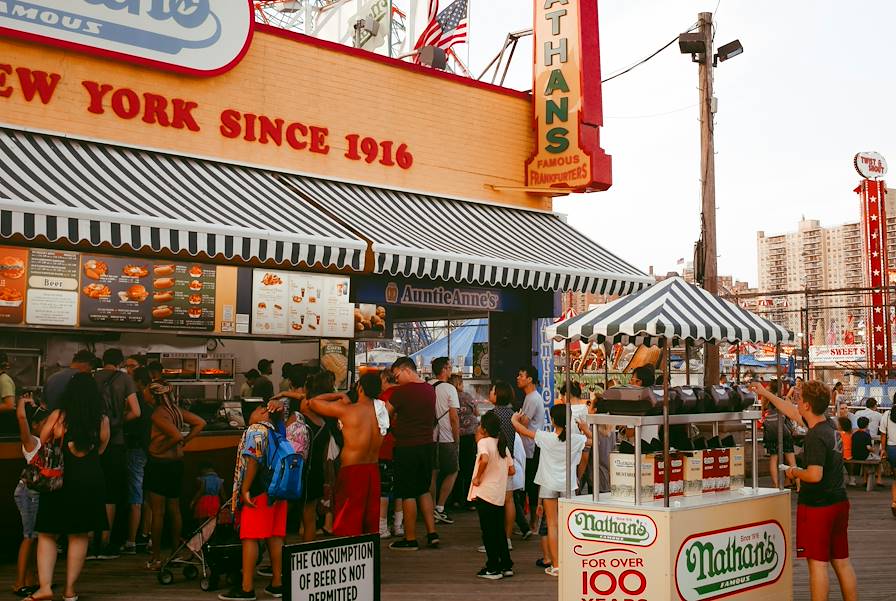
{"type": "Point", "coordinates": [644, 60]}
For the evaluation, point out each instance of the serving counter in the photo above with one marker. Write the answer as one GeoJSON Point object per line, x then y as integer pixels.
{"type": "Point", "coordinates": [217, 448]}
{"type": "Point", "coordinates": [734, 544]}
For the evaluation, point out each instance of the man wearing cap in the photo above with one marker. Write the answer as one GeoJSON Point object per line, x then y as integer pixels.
{"type": "Point", "coordinates": [263, 387]}
{"type": "Point", "coordinates": [82, 362]}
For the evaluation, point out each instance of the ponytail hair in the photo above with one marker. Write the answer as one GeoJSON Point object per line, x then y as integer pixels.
{"type": "Point", "coordinates": [492, 426]}
{"type": "Point", "coordinates": [558, 416]}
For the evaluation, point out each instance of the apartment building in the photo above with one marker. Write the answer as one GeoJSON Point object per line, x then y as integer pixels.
{"type": "Point", "coordinates": [818, 258]}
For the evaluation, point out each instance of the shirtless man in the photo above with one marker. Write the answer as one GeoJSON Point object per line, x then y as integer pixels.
{"type": "Point", "coordinates": [358, 483]}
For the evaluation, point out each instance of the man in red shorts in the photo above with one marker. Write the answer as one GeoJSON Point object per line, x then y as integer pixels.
{"type": "Point", "coordinates": [257, 519]}
{"type": "Point", "coordinates": [822, 514]}
{"type": "Point", "coordinates": [357, 507]}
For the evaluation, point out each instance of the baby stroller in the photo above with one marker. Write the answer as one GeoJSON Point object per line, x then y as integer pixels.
{"type": "Point", "coordinates": [212, 551]}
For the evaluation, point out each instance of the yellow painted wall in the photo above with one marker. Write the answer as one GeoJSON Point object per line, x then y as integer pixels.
{"type": "Point", "coordinates": [463, 138]}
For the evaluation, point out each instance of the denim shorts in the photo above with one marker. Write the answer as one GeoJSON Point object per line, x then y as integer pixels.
{"type": "Point", "coordinates": [27, 501]}
{"type": "Point", "coordinates": [136, 466]}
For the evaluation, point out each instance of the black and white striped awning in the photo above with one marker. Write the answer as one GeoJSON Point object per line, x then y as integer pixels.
{"type": "Point", "coordinates": [57, 188]}
{"type": "Point", "coordinates": [671, 309]}
{"type": "Point", "coordinates": [440, 238]}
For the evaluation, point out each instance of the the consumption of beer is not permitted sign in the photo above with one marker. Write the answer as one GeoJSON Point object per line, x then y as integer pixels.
{"type": "Point", "coordinates": [338, 569]}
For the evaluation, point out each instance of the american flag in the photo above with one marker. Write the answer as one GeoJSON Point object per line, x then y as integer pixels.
{"type": "Point", "coordinates": [446, 28]}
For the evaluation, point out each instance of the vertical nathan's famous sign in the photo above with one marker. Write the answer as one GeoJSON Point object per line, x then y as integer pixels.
{"type": "Point", "coordinates": [567, 97]}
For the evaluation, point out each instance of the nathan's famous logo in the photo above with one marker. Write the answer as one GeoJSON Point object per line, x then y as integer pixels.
{"type": "Point", "coordinates": [444, 297]}
{"type": "Point", "coordinates": [716, 564]}
{"type": "Point", "coordinates": [604, 526]}
{"type": "Point", "coordinates": [179, 33]}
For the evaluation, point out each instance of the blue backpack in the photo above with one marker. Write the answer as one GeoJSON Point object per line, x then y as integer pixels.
{"type": "Point", "coordinates": [284, 466]}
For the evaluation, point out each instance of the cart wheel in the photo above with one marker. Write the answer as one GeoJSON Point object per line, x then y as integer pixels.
{"type": "Point", "coordinates": [205, 584]}
{"type": "Point", "coordinates": [166, 577]}
{"type": "Point", "coordinates": [190, 572]}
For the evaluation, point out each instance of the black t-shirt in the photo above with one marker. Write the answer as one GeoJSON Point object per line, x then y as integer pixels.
{"type": "Point", "coordinates": [263, 388]}
{"type": "Point", "coordinates": [861, 440]}
{"type": "Point", "coordinates": [823, 447]}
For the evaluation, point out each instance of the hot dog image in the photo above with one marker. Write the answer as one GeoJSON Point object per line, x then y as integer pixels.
{"type": "Point", "coordinates": [163, 283]}
{"type": "Point", "coordinates": [163, 270]}
{"type": "Point", "coordinates": [162, 311]}
{"type": "Point", "coordinates": [163, 297]}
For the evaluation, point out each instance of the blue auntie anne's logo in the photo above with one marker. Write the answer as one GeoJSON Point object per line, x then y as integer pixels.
{"type": "Point", "coordinates": [198, 36]}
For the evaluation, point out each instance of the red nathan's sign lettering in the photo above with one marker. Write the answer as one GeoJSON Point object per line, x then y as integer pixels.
{"type": "Point", "coordinates": [157, 110]}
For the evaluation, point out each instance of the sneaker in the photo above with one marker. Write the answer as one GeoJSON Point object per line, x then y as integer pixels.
{"type": "Point", "coordinates": [398, 530]}
{"type": "Point", "coordinates": [441, 516]}
{"type": "Point", "coordinates": [264, 571]}
{"type": "Point", "coordinates": [527, 534]}
{"type": "Point", "coordinates": [552, 571]}
{"type": "Point", "coordinates": [142, 540]}
{"type": "Point", "coordinates": [404, 545]}
{"type": "Point", "coordinates": [274, 591]}
{"type": "Point", "coordinates": [237, 594]}
{"type": "Point", "coordinates": [432, 539]}
{"type": "Point", "coordinates": [541, 563]}
{"type": "Point", "coordinates": [481, 548]}
{"type": "Point", "coordinates": [507, 573]}
{"type": "Point", "coordinates": [509, 545]}
{"type": "Point", "coordinates": [109, 552]}
{"type": "Point", "coordinates": [484, 573]}
{"type": "Point", "coordinates": [384, 532]}
{"type": "Point", "coordinates": [129, 549]}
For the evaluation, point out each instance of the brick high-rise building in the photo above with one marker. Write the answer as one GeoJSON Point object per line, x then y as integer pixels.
{"type": "Point", "coordinates": [819, 258]}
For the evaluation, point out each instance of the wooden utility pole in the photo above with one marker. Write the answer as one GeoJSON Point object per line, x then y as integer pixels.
{"type": "Point", "coordinates": [708, 182]}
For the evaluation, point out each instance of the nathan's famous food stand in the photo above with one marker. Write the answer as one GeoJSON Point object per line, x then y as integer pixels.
{"type": "Point", "coordinates": [693, 532]}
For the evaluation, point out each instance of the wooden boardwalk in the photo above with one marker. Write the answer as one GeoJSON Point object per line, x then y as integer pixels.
{"type": "Point", "coordinates": [448, 573]}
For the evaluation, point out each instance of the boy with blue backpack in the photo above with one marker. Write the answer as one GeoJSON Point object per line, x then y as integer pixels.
{"type": "Point", "coordinates": [268, 474]}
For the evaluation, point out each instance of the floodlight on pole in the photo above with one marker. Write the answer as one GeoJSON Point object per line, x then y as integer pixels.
{"type": "Point", "coordinates": [729, 50]}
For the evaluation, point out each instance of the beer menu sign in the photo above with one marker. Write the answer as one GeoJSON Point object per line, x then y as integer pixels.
{"type": "Point", "coordinates": [200, 37]}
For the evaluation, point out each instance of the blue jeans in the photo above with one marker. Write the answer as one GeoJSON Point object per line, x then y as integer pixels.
{"type": "Point", "coordinates": [27, 501]}
{"type": "Point", "coordinates": [136, 459]}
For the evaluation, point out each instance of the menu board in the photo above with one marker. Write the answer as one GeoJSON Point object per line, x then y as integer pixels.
{"type": "Point", "coordinates": [115, 292]}
{"type": "Point", "coordinates": [183, 296]}
{"type": "Point", "coordinates": [52, 287]}
{"type": "Point", "coordinates": [13, 266]}
{"type": "Point", "coordinates": [299, 304]}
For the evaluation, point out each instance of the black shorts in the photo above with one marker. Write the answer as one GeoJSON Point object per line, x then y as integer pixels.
{"type": "Point", "coordinates": [387, 478]}
{"type": "Point", "coordinates": [445, 458]}
{"type": "Point", "coordinates": [770, 438]}
{"type": "Point", "coordinates": [413, 471]}
{"type": "Point", "coordinates": [114, 462]}
{"type": "Point", "coordinates": [164, 478]}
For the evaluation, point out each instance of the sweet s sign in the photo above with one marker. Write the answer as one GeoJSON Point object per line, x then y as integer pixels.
{"type": "Point", "coordinates": [567, 99]}
{"type": "Point", "coordinates": [716, 564]}
{"type": "Point", "coordinates": [199, 37]}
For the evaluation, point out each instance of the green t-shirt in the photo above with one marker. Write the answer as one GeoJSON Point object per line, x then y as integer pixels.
{"type": "Point", "coordinates": [7, 386]}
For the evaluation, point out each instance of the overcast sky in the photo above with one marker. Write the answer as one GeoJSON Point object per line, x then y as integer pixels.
{"type": "Point", "coordinates": [813, 87]}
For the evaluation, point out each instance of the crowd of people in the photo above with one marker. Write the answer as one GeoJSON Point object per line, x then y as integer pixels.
{"type": "Point", "coordinates": [393, 449]}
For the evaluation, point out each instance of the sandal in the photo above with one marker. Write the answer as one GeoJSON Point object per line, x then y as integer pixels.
{"type": "Point", "coordinates": [33, 597]}
{"type": "Point", "coordinates": [25, 591]}
{"type": "Point", "coordinates": [72, 598]}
